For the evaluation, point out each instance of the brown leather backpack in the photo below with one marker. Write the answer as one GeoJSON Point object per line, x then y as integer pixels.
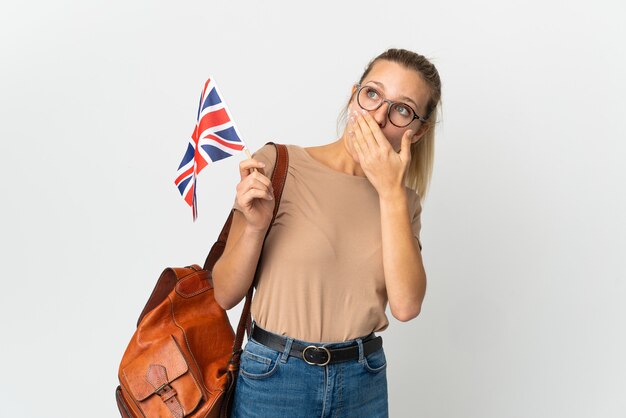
{"type": "Point", "coordinates": [183, 359]}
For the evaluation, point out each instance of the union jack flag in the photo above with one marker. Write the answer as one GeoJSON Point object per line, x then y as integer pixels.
{"type": "Point", "coordinates": [214, 137]}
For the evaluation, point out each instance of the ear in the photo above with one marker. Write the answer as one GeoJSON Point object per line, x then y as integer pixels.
{"type": "Point", "coordinates": [420, 132]}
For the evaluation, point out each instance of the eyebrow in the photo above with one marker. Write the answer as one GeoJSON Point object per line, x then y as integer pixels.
{"type": "Point", "coordinates": [378, 83]}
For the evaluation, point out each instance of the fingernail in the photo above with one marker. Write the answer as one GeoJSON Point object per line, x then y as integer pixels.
{"type": "Point", "coordinates": [262, 164]}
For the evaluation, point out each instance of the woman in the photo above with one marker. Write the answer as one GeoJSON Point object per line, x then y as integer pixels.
{"type": "Point", "coordinates": [345, 242]}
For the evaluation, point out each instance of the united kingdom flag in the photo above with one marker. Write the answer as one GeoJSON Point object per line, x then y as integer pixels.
{"type": "Point", "coordinates": [214, 137]}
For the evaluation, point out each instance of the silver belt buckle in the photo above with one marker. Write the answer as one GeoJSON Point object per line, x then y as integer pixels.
{"type": "Point", "coordinates": [313, 347]}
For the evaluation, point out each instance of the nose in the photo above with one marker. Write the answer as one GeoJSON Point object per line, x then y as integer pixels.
{"type": "Point", "coordinates": [380, 115]}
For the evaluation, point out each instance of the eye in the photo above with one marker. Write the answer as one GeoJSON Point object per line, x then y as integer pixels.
{"type": "Point", "coordinates": [371, 93]}
{"type": "Point", "coordinates": [403, 110]}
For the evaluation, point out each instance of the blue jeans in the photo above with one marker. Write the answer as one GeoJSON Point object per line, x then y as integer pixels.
{"type": "Point", "coordinates": [272, 384]}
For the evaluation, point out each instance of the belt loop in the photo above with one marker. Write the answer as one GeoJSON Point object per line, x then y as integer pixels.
{"type": "Point", "coordinates": [285, 355]}
{"type": "Point", "coordinates": [360, 343]}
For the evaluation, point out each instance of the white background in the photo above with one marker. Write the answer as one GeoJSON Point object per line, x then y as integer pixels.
{"type": "Point", "coordinates": [524, 230]}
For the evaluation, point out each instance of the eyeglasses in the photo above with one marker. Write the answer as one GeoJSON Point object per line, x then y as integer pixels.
{"type": "Point", "coordinates": [399, 114]}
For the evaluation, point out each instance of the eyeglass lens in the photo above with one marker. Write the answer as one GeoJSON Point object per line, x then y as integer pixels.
{"type": "Point", "coordinates": [370, 99]}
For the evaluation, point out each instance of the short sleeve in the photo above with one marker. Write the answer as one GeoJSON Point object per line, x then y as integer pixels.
{"type": "Point", "coordinates": [416, 222]}
{"type": "Point", "coordinates": [267, 155]}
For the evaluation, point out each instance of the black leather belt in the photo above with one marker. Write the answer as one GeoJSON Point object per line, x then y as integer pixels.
{"type": "Point", "coordinates": [317, 355]}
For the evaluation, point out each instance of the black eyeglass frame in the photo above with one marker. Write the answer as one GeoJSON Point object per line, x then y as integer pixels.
{"type": "Point", "coordinates": [391, 103]}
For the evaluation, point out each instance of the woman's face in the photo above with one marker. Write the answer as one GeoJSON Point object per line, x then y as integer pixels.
{"type": "Point", "coordinates": [399, 84]}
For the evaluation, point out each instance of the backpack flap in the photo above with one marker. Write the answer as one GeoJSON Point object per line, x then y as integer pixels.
{"type": "Point", "coordinates": [160, 381]}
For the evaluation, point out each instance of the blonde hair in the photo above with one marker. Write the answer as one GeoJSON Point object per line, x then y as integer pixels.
{"type": "Point", "coordinates": [423, 151]}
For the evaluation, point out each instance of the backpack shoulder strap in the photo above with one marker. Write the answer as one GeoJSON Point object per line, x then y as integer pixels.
{"type": "Point", "coordinates": [278, 183]}
{"type": "Point", "coordinates": [279, 177]}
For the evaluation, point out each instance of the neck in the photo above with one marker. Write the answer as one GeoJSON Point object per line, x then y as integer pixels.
{"type": "Point", "coordinates": [341, 158]}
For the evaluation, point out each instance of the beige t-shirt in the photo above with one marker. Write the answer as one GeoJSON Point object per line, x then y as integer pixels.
{"type": "Point", "coordinates": [321, 270]}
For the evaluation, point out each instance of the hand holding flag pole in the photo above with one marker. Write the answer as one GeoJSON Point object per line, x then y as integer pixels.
{"type": "Point", "coordinates": [214, 138]}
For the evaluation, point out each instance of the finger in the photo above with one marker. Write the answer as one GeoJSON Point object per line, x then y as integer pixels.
{"type": "Point", "coordinates": [246, 167]}
{"type": "Point", "coordinates": [351, 123]}
{"type": "Point", "coordinates": [358, 135]}
{"type": "Point", "coordinates": [368, 136]}
{"type": "Point", "coordinates": [363, 134]}
{"type": "Point", "coordinates": [350, 143]}
{"type": "Point", "coordinates": [259, 194]}
{"type": "Point", "coordinates": [357, 147]}
{"type": "Point", "coordinates": [257, 176]}
{"type": "Point", "coordinates": [252, 194]}
{"type": "Point", "coordinates": [378, 137]}
{"type": "Point", "coordinates": [251, 183]}
{"type": "Point", "coordinates": [405, 147]}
